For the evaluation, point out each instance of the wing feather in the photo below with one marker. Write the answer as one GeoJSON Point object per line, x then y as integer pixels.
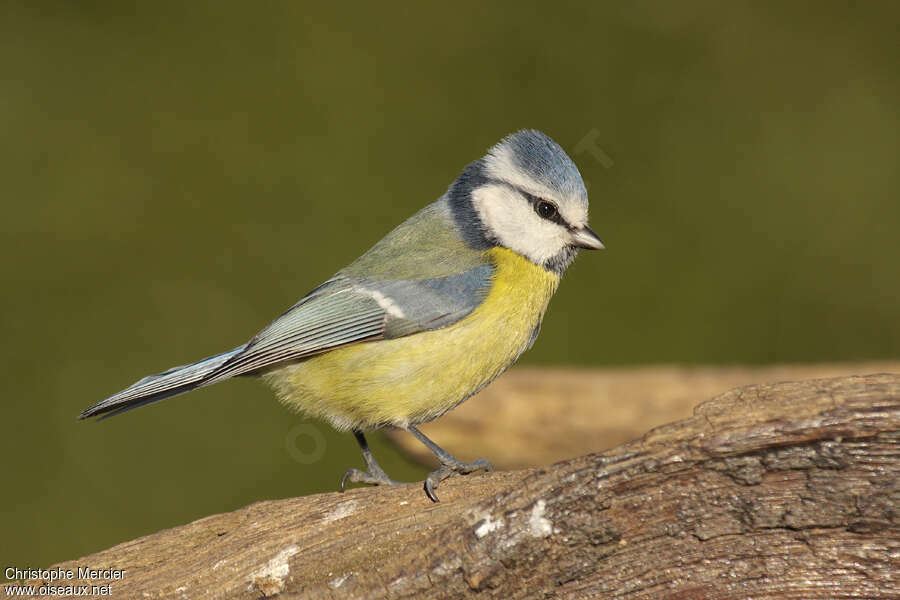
{"type": "Point", "coordinates": [348, 310]}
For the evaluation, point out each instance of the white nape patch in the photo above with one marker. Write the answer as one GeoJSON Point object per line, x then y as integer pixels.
{"type": "Point", "coordinates": [269, 579]}
{"type": "Point", "coordinates": [487, 526]}
{"type": "Point", "coordinates": [389, 306]}
{"type": "Point", "coordinates": [343, 510]}
{"type": "Point", "coordinates": [540, 525]}
{"type": "Point", "coordinates": [511, 218]}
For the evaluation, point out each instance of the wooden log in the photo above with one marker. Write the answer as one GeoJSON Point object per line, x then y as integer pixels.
{"type": "Point", "coordinates": [788, 490]}
{"type": "Point", "coordinates": [532, 417]}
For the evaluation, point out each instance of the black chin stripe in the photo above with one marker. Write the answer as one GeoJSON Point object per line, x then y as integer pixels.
{"type": "Point", "coordinates": [561, 261]}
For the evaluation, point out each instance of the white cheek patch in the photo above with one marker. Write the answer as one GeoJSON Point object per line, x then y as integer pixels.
{"type": "Point", "coordinates": [515, 224]}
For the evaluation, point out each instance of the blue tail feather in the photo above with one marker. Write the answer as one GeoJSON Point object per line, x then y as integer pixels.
{"type": "Point", "coordinates": [176, 380]}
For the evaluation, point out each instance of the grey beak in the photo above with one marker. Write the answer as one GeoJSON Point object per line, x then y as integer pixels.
{"type": "Point", "coordinates": [586, 238]}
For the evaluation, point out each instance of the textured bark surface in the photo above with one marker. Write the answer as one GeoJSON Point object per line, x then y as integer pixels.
{"type": "Point", "coordinates": [774, 491]}
{"type": "Point", "coordinates": [532, 417]}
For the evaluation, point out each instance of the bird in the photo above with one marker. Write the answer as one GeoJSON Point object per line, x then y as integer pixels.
{"type": "Point", "coordinates": [426, 318]}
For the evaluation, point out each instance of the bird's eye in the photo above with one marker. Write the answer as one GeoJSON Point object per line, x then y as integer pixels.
{"type": "Point", "coordinates": [546, 210]}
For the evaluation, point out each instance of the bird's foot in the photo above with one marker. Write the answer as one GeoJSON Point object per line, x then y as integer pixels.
{"type": "Point", "coordinates": [449, 469]}
{"type": "Point", "coordinates": [376, 477]}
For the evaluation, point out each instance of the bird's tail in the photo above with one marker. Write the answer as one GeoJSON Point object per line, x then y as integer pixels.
{"type": "Point", "coordinates": [176, 380]}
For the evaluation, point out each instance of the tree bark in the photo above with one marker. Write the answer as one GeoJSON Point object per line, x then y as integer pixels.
{"type": "Point", "coordinates": [532, 417]}
{"type": "Point", "coordinates": [780, 491]}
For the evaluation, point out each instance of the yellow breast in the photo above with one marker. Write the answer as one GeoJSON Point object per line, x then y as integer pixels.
{"type": "Point", "coordinates": [417, 378]}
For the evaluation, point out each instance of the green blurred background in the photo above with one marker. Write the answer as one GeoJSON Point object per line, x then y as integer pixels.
{"type": "Point", "coordinates": [175, 175]}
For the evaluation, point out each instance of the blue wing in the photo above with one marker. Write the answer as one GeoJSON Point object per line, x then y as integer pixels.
{"type": "Point", "coordinates": [347, 310]}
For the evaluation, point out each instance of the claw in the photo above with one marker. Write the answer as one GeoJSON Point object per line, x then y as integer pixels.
{"type": "Point", "coordinates": [429, 487]}
{"type": "Point", "coordinates": [452, 468]}
{"type": "Point", "coordinates": [357, 476]}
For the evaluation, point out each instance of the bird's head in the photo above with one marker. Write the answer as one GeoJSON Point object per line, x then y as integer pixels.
{"type": "Point", "coordinates": [527, 195]}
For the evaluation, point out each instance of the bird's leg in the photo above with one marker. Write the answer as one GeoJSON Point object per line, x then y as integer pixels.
{"type": "Point", "coordinates": [450, 465]}
{"type": "Point", "coordinates": [373, 475]}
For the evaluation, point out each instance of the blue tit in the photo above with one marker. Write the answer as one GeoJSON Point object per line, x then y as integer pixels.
{"type": "Point", "coordinates": [431, 314]}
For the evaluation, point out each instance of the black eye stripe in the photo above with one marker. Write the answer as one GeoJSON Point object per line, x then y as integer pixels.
{"type": "Point", "coordinates": [538, 203]}
{"type": "Point", "coordinates": [530, 197]}
{"type": "Point", "coordinates": [534, 200]}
